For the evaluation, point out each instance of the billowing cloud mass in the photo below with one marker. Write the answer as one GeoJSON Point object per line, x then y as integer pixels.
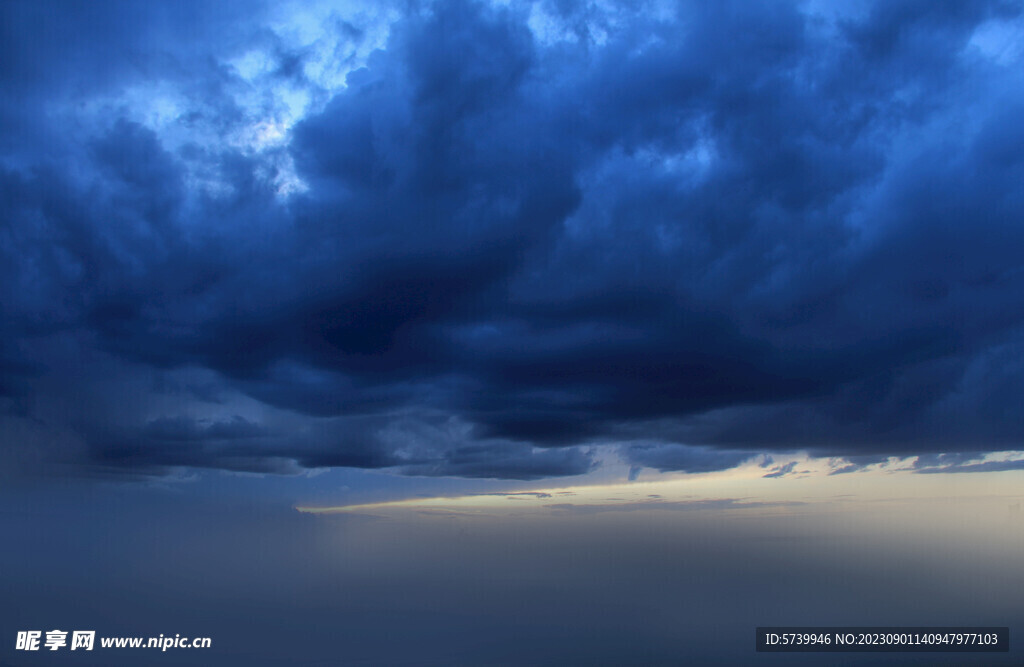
{"type": "Point", "coordinates": [457, 238]}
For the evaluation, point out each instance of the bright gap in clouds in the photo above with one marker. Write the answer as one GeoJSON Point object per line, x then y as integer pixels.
{"type": "Point", "coordinates": [786, 483]}
{"type": "Point", "coordinates": [296, 64]}
{"type": "Point", "coordinates": [1001, 41]}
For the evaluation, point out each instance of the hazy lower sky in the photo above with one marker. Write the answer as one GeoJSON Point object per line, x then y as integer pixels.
{"type": "Point", "coordinates": [664, 571]}
{"type": "Point", "coordinates": [509, 332]}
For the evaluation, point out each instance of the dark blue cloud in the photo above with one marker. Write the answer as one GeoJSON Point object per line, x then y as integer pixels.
{"type": "Point", "coordinates": [961, 462]}
{"type": "Point", "coordinates": [716, 231]}
{"type": "Point", "coordinates": [781, 470]}
{"type": "Point", "coordinates": [680, 457]}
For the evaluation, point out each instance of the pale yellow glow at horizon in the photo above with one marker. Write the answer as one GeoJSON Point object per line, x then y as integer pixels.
{"type": "Point", "coordinates": [745, 486]}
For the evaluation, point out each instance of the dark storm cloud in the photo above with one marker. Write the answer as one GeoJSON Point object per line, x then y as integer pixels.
{"type": "Point", "coordinates": [680, 457]}
{"type": "Point", "coordinates": [734, 229]}
{"type": "Point", "coordinates": [508, 460]}
{"type": "Point", "coordinates": [416, 445]}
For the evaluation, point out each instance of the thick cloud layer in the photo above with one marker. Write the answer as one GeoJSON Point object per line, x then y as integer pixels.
{"type": "Point", "coordinates": [697, 231]}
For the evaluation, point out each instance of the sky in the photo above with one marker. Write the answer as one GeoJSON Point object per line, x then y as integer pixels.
{"type": "Point", "coordinates": [455, 281]}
